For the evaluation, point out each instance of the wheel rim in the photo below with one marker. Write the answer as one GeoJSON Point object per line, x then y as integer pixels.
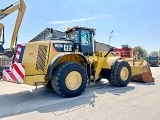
{"type": "Point", "coordinates": [124, 73]}
{"type": "Point", "coordinates": [73, 80]}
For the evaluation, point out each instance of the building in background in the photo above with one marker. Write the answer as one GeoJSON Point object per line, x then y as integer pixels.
{"type": "Point", "coordinates": [47, 34]}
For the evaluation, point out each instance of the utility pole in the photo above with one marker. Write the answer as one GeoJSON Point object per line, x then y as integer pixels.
{"type": "Point", "coordinates": [110, 36]}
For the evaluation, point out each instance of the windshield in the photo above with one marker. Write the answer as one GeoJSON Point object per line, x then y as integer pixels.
{"type": "Point", "coordinates": [82, 36]}
{"type": "Point", "coordinates": [73, 36]}
{"type": "Point", "coordinates": [153, 58]}
{"type": "Point", "coordinates": [85, 37]}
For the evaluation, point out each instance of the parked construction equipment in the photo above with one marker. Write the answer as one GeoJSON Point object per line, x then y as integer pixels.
{"type": "Point", "coordinates": [153, 60]}
{"type": "Point", "coordinates": [21, 7]}
{"type": "Point", "coordinates": [69, 64]}
{"type": "Point", "coordinates": [1, 34]}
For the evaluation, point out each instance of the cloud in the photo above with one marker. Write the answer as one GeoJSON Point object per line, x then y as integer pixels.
{"type": "Point", "coordinates": [75, 20]}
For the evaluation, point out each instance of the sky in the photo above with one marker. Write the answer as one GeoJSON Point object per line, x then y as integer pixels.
{"type": "Point", "coordinates": [135, 22]}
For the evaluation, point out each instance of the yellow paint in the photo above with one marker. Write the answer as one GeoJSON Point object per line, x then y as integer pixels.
{"type": "Point", "coordinates": [1, 29]}
{"type": "Point", "coordinates": [98, 66]}
{"type": "Point", "coordinates": [124, 73]}
{"type": "Point", "coordinates": [32, 80]}
{"type": "Point", "coordinates": [66, 58]}
{"type": "Point", "coordinates": [92, 59]}
{"type": "Point", "coordinates": [136, 70]}
{"type": "Point", "coordinates": [109, 62]}
{"type": "Point", "coordinates": [136, 65]}
{"type": "Point", "coordinates": [73, 80]}
{"type": "Point", "coordinates": [101, 62]}
{"type": "Point", "coordinates": [30, 57]}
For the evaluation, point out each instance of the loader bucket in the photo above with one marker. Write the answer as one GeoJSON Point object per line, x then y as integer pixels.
{"type": "Point", "coordinates": [141, 72]}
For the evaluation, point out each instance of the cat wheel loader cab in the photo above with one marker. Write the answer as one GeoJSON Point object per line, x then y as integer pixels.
{"type": "Point", "coordinates": [66, 65]}
{"type": "Point", "coordinates": [83, 39]}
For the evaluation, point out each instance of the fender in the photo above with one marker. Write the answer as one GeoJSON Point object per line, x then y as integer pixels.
{"type": "Point", "coordinates": [56, 58]}
{"type": "Point", "coordinates": [110, 62]}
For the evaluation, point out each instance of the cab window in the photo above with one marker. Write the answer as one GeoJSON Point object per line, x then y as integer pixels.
{"type": "Point", "coordinates": [85, 37]}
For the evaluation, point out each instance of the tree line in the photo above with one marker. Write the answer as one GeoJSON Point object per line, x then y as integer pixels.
{"type": "Point", "coordinates": [143, 52]}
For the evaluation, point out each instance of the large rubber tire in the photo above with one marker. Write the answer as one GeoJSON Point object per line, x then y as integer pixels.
{"type": "Point", "coordinates": [116, 79]}
{"type": "Point", "coordinates": [59, 79]}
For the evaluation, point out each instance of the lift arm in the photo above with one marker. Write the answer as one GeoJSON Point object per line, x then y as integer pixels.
{"type": "Point", "coordinates": [1, 29]}
{"type": "Point", "coordinates": [21, 7]}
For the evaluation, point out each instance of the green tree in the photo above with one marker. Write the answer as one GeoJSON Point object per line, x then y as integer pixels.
{"type": "Point", "coordinates": [153, 53]}
{"type": "Point", "coordinates": [142, 52]}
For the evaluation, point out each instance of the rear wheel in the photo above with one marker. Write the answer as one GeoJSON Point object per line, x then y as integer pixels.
{"type": "Point", "coordinates": [120, 74]}
{"type": "Point", "coordinates": [69, 79]}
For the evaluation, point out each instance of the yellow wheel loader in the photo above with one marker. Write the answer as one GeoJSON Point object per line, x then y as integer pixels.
{"type": "Point", "coordinates": [68, 64]}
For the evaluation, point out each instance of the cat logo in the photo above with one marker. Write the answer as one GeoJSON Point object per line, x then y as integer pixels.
{"type": "Point", "coordinates": [68, 48]}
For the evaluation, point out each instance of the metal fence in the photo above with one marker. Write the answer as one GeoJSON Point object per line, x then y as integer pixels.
{"type": "Point", "coordinates": [3, 62]}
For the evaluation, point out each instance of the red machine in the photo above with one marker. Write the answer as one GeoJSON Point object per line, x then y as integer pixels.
{"type": "Point", "coordinates": [125, 51]}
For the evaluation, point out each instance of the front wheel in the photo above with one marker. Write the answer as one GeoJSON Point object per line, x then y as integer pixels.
{"type": "Point", "coordinates": [120, 74]}
{"type": "Point", "coordinates": [69, 79]}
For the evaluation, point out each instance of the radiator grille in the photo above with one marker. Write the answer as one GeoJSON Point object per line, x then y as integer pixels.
{"type": "Point", "coordinates": [41, 57]}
